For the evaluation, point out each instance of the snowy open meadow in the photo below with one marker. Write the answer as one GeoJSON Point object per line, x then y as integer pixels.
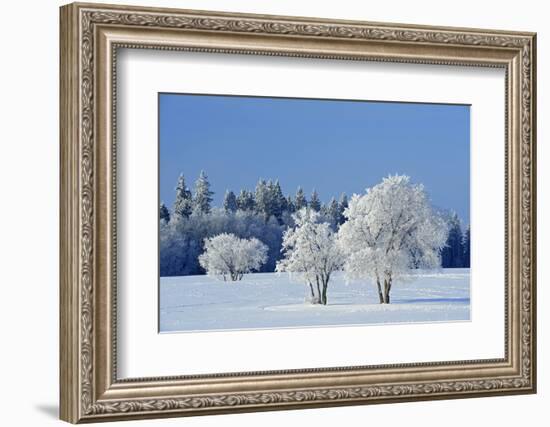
{"type": "Point", "coordinates": [278, 300]}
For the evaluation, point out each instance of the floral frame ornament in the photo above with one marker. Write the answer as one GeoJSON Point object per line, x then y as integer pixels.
{"type": "Point", "coordinates": [90, 36]}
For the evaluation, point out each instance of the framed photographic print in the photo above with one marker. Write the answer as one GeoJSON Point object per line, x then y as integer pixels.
{"type": "Point", "coordinates": [264, 212]}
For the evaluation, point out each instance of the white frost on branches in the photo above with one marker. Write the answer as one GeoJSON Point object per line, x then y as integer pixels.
{"type": "Point", "coordinates": [227, 255]}
{"type": "Point", "coordinates": [389, 230]}
{"type": "Point", "coordinates": [311, 251]}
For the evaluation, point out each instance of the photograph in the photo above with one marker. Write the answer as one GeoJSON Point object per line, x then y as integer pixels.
{"type": "Point", "coordinates": [292, 212]}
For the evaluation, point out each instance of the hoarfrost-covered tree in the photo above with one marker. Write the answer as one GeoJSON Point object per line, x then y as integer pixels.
{"type": "Point", "coordinates": [261, 197]}
{"type": "Point", "coordinates": [333, 213]}
{"type": "Point", "coordinates": [227, 255]}
{"type": "Point", "coordinates": [245, 201]}
{"type": "Point", "coordinates": [389, 230]}
{"type": "Point", "coordinates": [315, 203]}
{"type": "Point", "coordinates": [203, 195]}
{"type": "Point", "coordinates": [278, 203]}
{"type": "Point", "coordinates": [290, 207]}
{"type": "Point", "coordinates": [183, 205]}
{"type": "Point", "coordinates": [342, 206]}
{"type": "Point", "coordinates": [311, 251]}
{"type": "Point", "coordinates": [179, 251]}
{"type": "Point", "coordinates": [300, 200]}
{"type": "Point", "coordinates": [164, 213]}
{"type": "Point", "coordinates": [229, 202]}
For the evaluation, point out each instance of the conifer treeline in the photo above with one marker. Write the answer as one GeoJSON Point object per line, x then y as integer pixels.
{"type": "Point", "coordinates": [266, 200]}
{"type": "Point", "coordinates": [264, 213]}
{"type": "Point", "coordinates": [456, 253]}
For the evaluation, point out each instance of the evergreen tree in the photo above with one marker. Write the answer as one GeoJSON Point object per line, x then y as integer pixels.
{"type": "Point", "coordinates": [271, 200]}
{"type": "Point", "coordinates": [342, 205]}
{"type": "Point", "coordinates": [452, 253]}
{"type": "Point", "coordinates": [261, 196]}
{"type": "Point", "coordinates": [332, 212]}
{"type": "Point", "coordinates": [245, 201]}
{"type": "Point", "coordinates": [466, 245]}
{"type": "Point", "coordinates": [290, 205]}
{"type": "Point", "coordinates": [229, 202]}
{"type": "Point", "coordinates": [277, 201]}
{"type": "Point", "coordinates": [164, 213]}
{"type": "Point", "coordinates": [300, 199]}
{"type": "Point", "coordinates": [315, 203]}
{"type": "Point", "coordinates": [203, 195]}
{"type": "Point", "coordinates": [183, 205]}
{"type": "Point", "coordinates": [283, 201]}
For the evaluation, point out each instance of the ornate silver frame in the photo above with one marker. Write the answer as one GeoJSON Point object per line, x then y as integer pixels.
{"type": "Point", "coordinates": [90, 36]}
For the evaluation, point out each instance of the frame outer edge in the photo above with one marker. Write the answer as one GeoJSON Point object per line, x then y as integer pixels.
{"type": "Point", "coordinates": [68, 213]}
{"type": "Point", "coordinates": [77, 225]}
{"type": "Point", "coordinates": [534, 270]}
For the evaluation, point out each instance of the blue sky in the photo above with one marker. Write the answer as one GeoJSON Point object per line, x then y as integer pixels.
{"type": "Point", "coordinates": [331, 146]}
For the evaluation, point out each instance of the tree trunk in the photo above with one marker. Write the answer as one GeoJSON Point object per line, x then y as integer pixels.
{"type": "Point", "coordinates": [312, 292]}
{"type": "Point", "coordinates": [315, 296]}
{"type": "Point", "coordinates": [318, 300]}
{"type": "Point", "coordinates": [380, 295]}
{"type": "Point", "coordinates": [324, 296]}
{"type": "Point", "coordinates": [387, 288]}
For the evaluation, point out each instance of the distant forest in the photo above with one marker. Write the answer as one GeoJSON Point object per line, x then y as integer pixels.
{"type": "Point", "coordinates": [264, 213]}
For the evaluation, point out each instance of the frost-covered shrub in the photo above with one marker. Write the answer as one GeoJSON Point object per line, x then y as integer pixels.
{"type": "Point", "coordinates": [228, 256]}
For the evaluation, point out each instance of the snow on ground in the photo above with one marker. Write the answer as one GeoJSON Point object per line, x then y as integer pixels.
{"type": "Point", "coordinates": [275, 300]}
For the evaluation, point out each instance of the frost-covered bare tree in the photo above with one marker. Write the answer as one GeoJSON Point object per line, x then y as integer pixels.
{"type": "Point", "coordinates": [311, 251]}
{"type": "Point", "coordinates": [389, 230]}
{"type": "Point", "coordinates": [227, 255]}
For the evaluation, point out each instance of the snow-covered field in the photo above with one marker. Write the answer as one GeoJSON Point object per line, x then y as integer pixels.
{"type": "Point", "coordinates": [272, 300]}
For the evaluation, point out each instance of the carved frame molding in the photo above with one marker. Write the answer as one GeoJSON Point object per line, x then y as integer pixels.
{"type": "Point", "coordinates": [90, 37]}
